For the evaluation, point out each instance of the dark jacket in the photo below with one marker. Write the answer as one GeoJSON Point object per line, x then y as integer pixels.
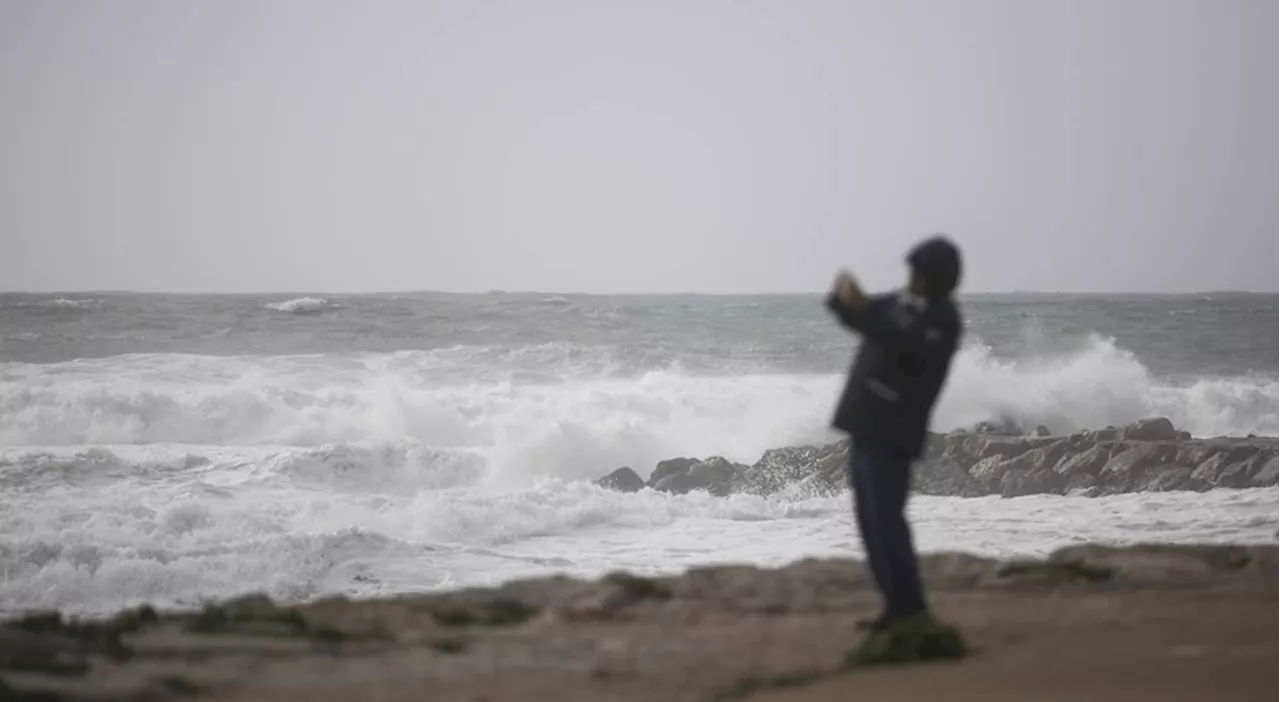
{"type": "Point", "coordinates": [900, 368]}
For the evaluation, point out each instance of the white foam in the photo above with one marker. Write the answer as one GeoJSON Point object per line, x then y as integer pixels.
{"type": "Point", "coordinates": [228, 526]}
{"type": "Point", "coordinates": [76, 302]}
{"type": "Point", "coordinates": [301, 305]}
{"type": "Point", "coordinates": [1098, 384]}
{"type": "Point", "coordinates": [173, 478]}
{"type": "Point", "coordinates": [567, 419]}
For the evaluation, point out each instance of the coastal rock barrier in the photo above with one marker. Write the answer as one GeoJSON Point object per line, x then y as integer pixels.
{"type": "Point", "coordinates": [1147, 456]}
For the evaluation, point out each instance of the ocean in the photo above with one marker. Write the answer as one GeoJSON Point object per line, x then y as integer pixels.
{"type": "Point", "coordinates": [175, 448]}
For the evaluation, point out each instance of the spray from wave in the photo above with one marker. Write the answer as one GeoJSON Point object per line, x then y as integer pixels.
{"type": "Point", "coordinates": [576, 426]}
{"type": "Point", "coordinates": [1098, 384]}
{"type": "Point", "coordinates": [170, 478]}
{"type": "Point", "coordinates": [301, 305]}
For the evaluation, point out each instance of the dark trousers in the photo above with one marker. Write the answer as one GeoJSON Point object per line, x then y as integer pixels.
{"type": "Point", "coordinates": [881, 479]}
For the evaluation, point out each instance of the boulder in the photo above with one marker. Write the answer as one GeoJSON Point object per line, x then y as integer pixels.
{"type": "Point", "coordinates": [778, 468]}
{"type": "Point", "coordinates": [934, 446]}
{"type": "Point", "coordinates": [1012, 448]}
{"type": "Point", "coordinates": [1128, 467]}
{"type": "Point", "coordinates": [622, 480]}
{"type": "Point", "coordinates": [1241, 451]}
{"type": "Point", "coordinates": [715, 475]}
{"type": "Point", "coordinates": [1099, 436]}
{"type": "Point", "coordinates": [1169, 477]}
{"type": "Point", "coordinates": [675, 483]}
{"type": "Point", "coordinates": [1088, 463]}
{"type": "Point", "coordinates": [1210, 469]}
{"type": "Point", "coordinates": [1108, 461]}
{"type": "Point", "coordinates": [1156, 429]}
{"type": "Point", "coordinates": [1246, 473]}
{"type": "Point", "coordinates": [1032, 473]}
{"type": "Point", "coordinates": [1043, 458]}
{"type": "Point", "coordinates": [671, 466]}
{"type": "Point", "coordinates": [969, 449]}
{"type": "Point", "coordinates": [833, 470]}
{"type": "Point", "coordinates": [1001, 427]}
{"type": "Point", "coordinates": [1196, 453]}
{"type": "Point", "coordinates": [1080, 484]}
{"type": "Point", "coordinates": [1019, 482]}
{"type": "Point", "coordinates": [943, 476]}
{"type": "Point", "coordinates": [1266, 474]}
{"type": "Point", "coordinates": [1235, 475]}
{"type": "Point", "coordinates": [989, 471]}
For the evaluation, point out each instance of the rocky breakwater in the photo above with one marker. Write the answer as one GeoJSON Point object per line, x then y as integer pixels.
{"type": "Point", "coordinates": [1148, 456]}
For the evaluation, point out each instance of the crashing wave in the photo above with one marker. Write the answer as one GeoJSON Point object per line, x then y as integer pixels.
{"type": "Point", "coordinates": [301, 305]}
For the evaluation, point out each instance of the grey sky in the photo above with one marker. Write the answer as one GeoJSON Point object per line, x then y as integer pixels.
{"type": "Point", "coordinates": [677, 145]}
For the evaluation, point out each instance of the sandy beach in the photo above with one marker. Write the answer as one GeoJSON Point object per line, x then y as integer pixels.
{"type": "Point", "coordinates": [1091, 622]}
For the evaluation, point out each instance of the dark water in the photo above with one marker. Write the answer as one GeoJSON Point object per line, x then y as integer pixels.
{"type": "Point", "coordinates": [1221, 335]}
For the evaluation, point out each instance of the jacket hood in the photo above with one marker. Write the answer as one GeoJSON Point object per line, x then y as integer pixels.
{"type": "Point", "coordinates": [936, 261]}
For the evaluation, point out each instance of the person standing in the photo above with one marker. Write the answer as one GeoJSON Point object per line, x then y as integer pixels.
{"type": "Point", "coordinates": [908, 340]}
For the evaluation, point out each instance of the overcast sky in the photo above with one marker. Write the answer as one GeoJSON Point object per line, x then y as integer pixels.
{"type": "Point", "coordinates": [638, 146]}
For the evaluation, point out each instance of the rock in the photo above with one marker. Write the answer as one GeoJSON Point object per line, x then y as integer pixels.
{"type": "Point", "coordinates": [778, 468]}
{"type": "Point", "coordinates": [675, 483]}
{"type": "Point", "coordinates": [1196, 453]}
{"type": "Point", "coordinates": [1033, 472]}
{"type": "Point", "coordinates": [1157, 429]}
{"type": "Point", "coordinates": [943, 476]}
{"type": "Point", "coordinates": [1008, 448]}
{"type": "Point", "coordinates": [1167, 478]}
{"type": "Point", "coordinates": [1101, 435]}
{"type": "Point", "coordinates": [833, 470]}
{"type": "Point", "coordinates": [1257, 471]}
{"type": "Point", "coordinates": [1073, 489]}
{"type": "Point", "coordinates": [970, 449]}
{"type": "Point", "coordinates": [1210, 470]}
{"type": "Point", "coordinates": [1107, 461]}
{"type": "Point", "coordinates": [715, 475]}
{"type": "Point", "coordinates": [1020, 482]}
{"type": "Point", "coordinates": [1041, 430]}
{"type": "Point", "coordinates": [682, 475]}
{"type": "Point", "coordinates": [1266, 475]}
{"type": "Point", "coordinates": [934, 446]}
{"type": "Point", "coordinates": [1240, 451]}
{"type": "Point", "coordinates": [1125, 469]}
{"type": "Point", "coordinates": [1089, 463]}
{"type": "Point", "coordinates": [1003, 427]}
{"type": "Point", "coordinates": [671, 466]}
{"type": "Point", "coordinates": [989, 472]}
{"type": "Point", "coordinates": [1043, 458]}
{"type": "Point", "coordinates": [1235, 475]}
{"type": "Point", "coordinates": [621, 480]}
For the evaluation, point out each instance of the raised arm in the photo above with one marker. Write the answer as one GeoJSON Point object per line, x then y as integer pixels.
{"type": "Point", "coordinates": [894, 325]}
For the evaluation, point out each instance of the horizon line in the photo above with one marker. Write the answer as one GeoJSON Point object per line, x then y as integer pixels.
{"type": "Point", "coordinates": [424, 291]}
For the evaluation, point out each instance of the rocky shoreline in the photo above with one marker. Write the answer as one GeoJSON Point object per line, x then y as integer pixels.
{"type": "Point", "coordinates": [1147, 456]}
{"type": "Point", "coordinates": [714, 633]}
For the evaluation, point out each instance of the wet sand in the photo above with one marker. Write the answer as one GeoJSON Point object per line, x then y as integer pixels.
{"type": "Point", "coordinates": [1090, 623]}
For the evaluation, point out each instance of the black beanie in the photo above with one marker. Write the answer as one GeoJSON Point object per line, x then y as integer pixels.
{"type": "Point", "coordinates": [936, 262]}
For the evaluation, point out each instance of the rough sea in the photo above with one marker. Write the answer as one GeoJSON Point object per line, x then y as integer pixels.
{"type": "Point", "coordinates": [170, 449]}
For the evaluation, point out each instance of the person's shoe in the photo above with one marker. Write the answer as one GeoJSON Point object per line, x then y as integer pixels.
{"type": "Point", "coordinates": [910, 639]}
{"type": "Point", "coordinates": [877, 623]}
